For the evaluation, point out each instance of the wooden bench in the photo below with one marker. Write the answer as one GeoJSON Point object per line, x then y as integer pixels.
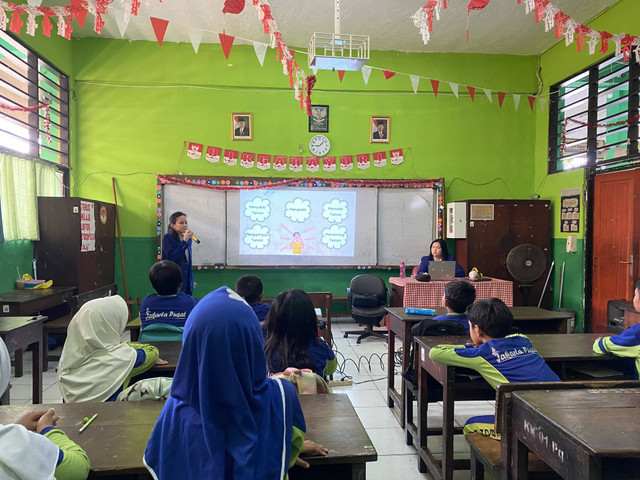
{"type": "Point", "coordinates": [59, 325]}
{"type": "Point", "coordinates": [494, 456]}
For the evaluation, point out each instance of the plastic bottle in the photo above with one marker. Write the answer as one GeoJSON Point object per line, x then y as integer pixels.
{"type": "Point", "coordinates": [403, 272]}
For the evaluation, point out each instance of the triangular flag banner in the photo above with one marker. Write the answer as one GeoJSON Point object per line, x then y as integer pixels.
{"type": "Point", "coordinates": [341, 75]}
{"type": "Point", "coordinates": [159, 28]}
{"type": "Point", "coordinates": [454, 88]}
{"type": "Point", "coordinates": [34, 3]}
{"type": "Point", "coordinates": [487, 92]}
{"type": "Point", "coordinates": [225, 42]}
{"type": "Point", "coordinates": [195, 35]}
{"type": "Point", "coordinates": [388, 74]}
{"type": "Point", "coordinates": [543, 103]}
{"type": "Point", "coordinates": [435, 84]}
{"type": "Point", "coordinates": [415, 81]}
{"type": "Point", "coordinates": [121, 22]}
{"type": "Point", "coordinates": [79, 12]}
{"type": "Point", "coordinates": [315, 71]}
{"type": "Point", "coordinates": [366, 72]}
{"type": "Point", "coordinates": [532, 101]}
{"type": "Point", "coordinates": [472, 93]}
{"type": "Point", "coordinates": [516, 101]}
{"type": "Point", "coordinates": [261, 50]}
{"type": "Point", "coordinates": [501, 96]}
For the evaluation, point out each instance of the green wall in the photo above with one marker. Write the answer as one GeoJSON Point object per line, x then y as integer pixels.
{"type": "Point", "coordinates": [557, 64]}
{"type": "Point", "coordinates": [138, 103]}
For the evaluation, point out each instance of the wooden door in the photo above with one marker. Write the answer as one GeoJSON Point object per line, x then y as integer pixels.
{"type": "Point", "coordinates": [615, 241]}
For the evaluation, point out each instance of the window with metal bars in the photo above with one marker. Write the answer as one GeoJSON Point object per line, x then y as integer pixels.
{"type": "Point", "coordinates": [594, 116]}
{"type": "Point", "coordinates": [27, 80]}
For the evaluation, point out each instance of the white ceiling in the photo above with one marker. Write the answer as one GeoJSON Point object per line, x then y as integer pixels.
{"type": "Point", "coordinates": [501, 28]}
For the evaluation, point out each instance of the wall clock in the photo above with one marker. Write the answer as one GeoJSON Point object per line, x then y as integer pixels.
{"type": "Point", "coordinates": [319, 145]}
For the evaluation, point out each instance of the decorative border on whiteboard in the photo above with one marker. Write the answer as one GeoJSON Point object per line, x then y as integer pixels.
{"type": "Point", "coordinates": [243, 183]}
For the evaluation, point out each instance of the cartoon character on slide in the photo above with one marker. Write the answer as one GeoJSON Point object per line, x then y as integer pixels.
{"type": "Point", "coordinates": [297, 244]}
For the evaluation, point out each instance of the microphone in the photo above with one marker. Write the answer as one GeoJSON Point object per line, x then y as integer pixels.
{"type": "Point", "coordinates": [195, 239]}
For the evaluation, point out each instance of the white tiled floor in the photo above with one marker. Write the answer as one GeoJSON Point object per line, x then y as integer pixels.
{"type": "Point", "coordinates": [366, 364]}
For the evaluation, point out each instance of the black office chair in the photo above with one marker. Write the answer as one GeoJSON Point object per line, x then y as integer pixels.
{"type": "Point", "coordinates": [366, 300]}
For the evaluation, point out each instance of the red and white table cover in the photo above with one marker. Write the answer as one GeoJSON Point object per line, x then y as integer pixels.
{"type": "Point", "coordinates": [429, 294]}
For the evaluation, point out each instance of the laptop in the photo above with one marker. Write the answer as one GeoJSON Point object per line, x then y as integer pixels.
{"type": "Point", "coordinates": [445, 270]}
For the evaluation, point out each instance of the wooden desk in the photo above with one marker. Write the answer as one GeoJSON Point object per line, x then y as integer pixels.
{"type": "Point", "coordinates": [117, 439]}
{"type": "Point", "coordinates": [31, 301]}
{"type": "Point", "coordinates": [527, 319]}
{"type": "Point", "coordinates": [18, 333]}
{"type": "Point", "coordinates": [558, 350]}
{"type": "Point", "coordinates": [586, 434]}
{"type": "Point", "coordinates": [409, 292]}
{"type": "Point", "coordinates": [169, 351]}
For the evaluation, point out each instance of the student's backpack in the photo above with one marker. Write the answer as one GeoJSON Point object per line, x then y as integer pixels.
{"type": "Point", "coordinates": [430, 328]}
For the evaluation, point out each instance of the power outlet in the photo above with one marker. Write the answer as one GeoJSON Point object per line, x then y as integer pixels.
{"type": "Point", "coordinates": [5, 308]}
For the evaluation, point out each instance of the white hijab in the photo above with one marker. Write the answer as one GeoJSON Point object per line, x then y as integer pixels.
{"type": "Point", "coordinates": [24, 455]}
{"type": "Point", "coordinates": [94, 363]}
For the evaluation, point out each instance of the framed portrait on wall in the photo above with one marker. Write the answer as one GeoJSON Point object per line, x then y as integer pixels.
{"type": "Point", "coordinates": [319, 118]}
{"type": "Point", "coordinates": [379, 128]}
{"type": "Point", "coordinates": [241, 126]}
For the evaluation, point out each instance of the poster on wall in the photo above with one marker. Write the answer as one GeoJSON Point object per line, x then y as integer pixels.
{"type": "Point", "coordinates": [87, 227]}
{"type": "Point", "coordinates": [570, 210]}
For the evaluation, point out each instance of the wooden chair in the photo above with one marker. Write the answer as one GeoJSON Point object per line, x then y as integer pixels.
{"type": "Point", "coordinates": [496, 456]}
{"type": "Point", "coordinates": [323, 301]}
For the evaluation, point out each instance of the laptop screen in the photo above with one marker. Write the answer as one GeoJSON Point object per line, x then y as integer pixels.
{"type": "Point", "coordinates": [445, 270]}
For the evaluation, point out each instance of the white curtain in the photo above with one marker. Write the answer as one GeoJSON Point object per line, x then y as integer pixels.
{"type": "Point", "coordinates": [21, 182]}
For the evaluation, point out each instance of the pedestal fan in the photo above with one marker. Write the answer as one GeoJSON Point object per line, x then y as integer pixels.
{"type": "Point", "coordinates": [526, 263]}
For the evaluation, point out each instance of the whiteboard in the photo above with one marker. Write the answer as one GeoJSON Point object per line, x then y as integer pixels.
{"type": "Point", "coordinates": [400, 224]}
{"type": "Point", "coordinates": [406, 224]}
{"type": "Point", "coordinates": [207, 217]}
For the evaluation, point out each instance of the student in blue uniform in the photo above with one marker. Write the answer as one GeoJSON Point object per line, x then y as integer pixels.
{"type": "Point", "coordinates": [169, 304]}
{"type": "Point", "coordinates": [33, 448]}
{"type": "Point", "coordinates": [494, 354]}
{"type": "Point", "coordinates": [176, 246]}
{"type": "Point", "coordinates": [225, 417]}
{"type": "Point", "coordinates": [95, 366]}
{"type": "Point", "coordinates": [291, 336]}
{"type": "Point", "coordinates": [438, 253]}
{"type": "Point", "coordinates": [627, 344]}
{"type": "Point", "coordinates": [250, 287]}
{"type": "Point", "coordinates": [458, 295]}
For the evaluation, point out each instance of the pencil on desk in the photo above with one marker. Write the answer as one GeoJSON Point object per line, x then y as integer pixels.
{"type": "Point", "coordinates": [87, 423]}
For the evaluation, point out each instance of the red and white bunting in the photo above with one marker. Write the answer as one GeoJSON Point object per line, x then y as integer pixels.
{"type": "Point", "coordinates": [194, 150]}
{"type": "Point", "coordinates": [213, 154]}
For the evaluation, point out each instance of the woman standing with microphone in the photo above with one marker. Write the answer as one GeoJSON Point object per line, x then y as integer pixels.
{"type": "Point", "coordinates": [176, 246]}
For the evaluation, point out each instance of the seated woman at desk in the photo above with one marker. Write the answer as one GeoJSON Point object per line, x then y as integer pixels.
{"type": "Point", "coordinates": [95, 365]}
{"type": "Point", "coordinates": [438, 253]}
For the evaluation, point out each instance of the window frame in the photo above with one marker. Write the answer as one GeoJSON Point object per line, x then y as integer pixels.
{"type": "Point", "coordinates": [632, 110]}
{"type": "Point", "coordinates": [37, 68]}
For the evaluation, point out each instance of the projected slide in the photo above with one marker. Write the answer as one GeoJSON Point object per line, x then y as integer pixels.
{"type": "Point", "coordinates": [297, 223]}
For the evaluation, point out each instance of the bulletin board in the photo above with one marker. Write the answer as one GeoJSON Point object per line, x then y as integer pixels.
{"type": "Point", "coordinates": [303, 222]}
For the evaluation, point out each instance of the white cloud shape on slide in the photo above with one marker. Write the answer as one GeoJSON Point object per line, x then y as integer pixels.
{"type": "Point", "coordinates": [335, 211]}
{"type": "Point", "coordinates": [334, 237]}
{"type": "Point", "coordinates": [257, 237]}
{"type": "Point", "coordinates": [257, 209]}
{"type": "Point", "coordinates": [298, 211]}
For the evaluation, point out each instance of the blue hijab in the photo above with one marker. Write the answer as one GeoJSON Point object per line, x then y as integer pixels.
{"type": "Point", "coordinates": [224, 418]}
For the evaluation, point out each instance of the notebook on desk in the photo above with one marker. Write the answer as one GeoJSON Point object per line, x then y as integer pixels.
{"type": "Point", "coordinates": [445, 270]}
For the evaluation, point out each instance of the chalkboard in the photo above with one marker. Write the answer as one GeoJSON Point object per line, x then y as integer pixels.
{"type": "Point", "coordinates": [392, 225]}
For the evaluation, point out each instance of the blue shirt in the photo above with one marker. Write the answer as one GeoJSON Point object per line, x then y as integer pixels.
{"type": "Point", "coordinates": [261, 310]}
{"type": "Point", "coordinates": [171, 309]}
{"type": "Point", "coordinates": [179, 252]}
